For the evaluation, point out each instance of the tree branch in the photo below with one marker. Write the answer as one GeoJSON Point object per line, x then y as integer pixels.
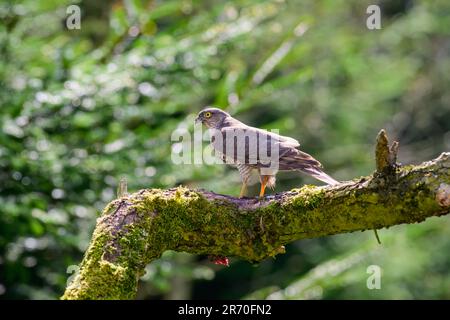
{"type": "Point", "coordinates": [137, 228]}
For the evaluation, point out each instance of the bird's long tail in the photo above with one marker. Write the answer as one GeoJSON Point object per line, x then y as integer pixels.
{"type": "Point", "coordinates": [319, 175]}
{"type": "Point", "coordinates": [295, 159]}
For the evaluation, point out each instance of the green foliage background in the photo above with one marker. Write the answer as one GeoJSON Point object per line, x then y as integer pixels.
{"type": "Point", "coordinates": [82, 108]}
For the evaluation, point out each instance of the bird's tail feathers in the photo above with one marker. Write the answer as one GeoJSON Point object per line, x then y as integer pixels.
{"type": "Point", "coordinates": [320, 175]}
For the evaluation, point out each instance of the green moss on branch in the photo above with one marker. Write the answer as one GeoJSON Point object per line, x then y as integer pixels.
{"type": "Point", "coordinates": [138, 228]}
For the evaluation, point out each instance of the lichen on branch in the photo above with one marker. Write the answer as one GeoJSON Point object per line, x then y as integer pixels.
{"type": "Point", "coordinates": [137, 228]}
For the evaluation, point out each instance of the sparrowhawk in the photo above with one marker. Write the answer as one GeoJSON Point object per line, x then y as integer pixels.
{"type": "Point", "coordinates": [252, 149]}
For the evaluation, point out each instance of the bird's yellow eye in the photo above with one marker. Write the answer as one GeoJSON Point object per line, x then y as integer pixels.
{"type": "Point", "coordinates": [207, 114]}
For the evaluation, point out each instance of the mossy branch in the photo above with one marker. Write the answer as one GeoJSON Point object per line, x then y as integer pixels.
{"type": "Point", "coordinates": [137, 228]}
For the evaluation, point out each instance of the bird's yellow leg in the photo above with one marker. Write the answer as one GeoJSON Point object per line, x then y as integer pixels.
{"type": "Point", "coordinates": [263, 186]}
{"type": "Point", "coordinates": [243, 190]}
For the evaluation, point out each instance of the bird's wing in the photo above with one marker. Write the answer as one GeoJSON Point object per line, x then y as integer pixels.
{"type": "Point", "coordinates": [285, 141]}
{"type": "Point", "coordinates": [231, 123]}
{"type": "Point", "coordinates": [244, 144]}
{"type": "Point", "coordinates": [293, 159]}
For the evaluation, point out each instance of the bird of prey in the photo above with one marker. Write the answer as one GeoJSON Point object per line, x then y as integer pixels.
{"type": "Point", "coordinates": [252, 149]}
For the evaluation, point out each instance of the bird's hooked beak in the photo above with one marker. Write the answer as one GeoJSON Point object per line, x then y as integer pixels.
{"type": "Point", "coordinates": [198, 120]}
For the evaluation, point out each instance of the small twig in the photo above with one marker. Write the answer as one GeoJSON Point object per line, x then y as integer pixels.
{"type": "Point", "coordinates": [122, 188]}
{"type": "Point", "coordinates": [382, 152]}
{"type": "Point", "coordinates": [376, 236]}
{"type": "Point", "coordinates": [385, 155]}
{"type": "Point", "coordinates": [393, 150]}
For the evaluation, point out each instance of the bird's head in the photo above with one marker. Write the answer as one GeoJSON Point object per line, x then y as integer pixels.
{"type": "Point", "coordinates": [211, 117]}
